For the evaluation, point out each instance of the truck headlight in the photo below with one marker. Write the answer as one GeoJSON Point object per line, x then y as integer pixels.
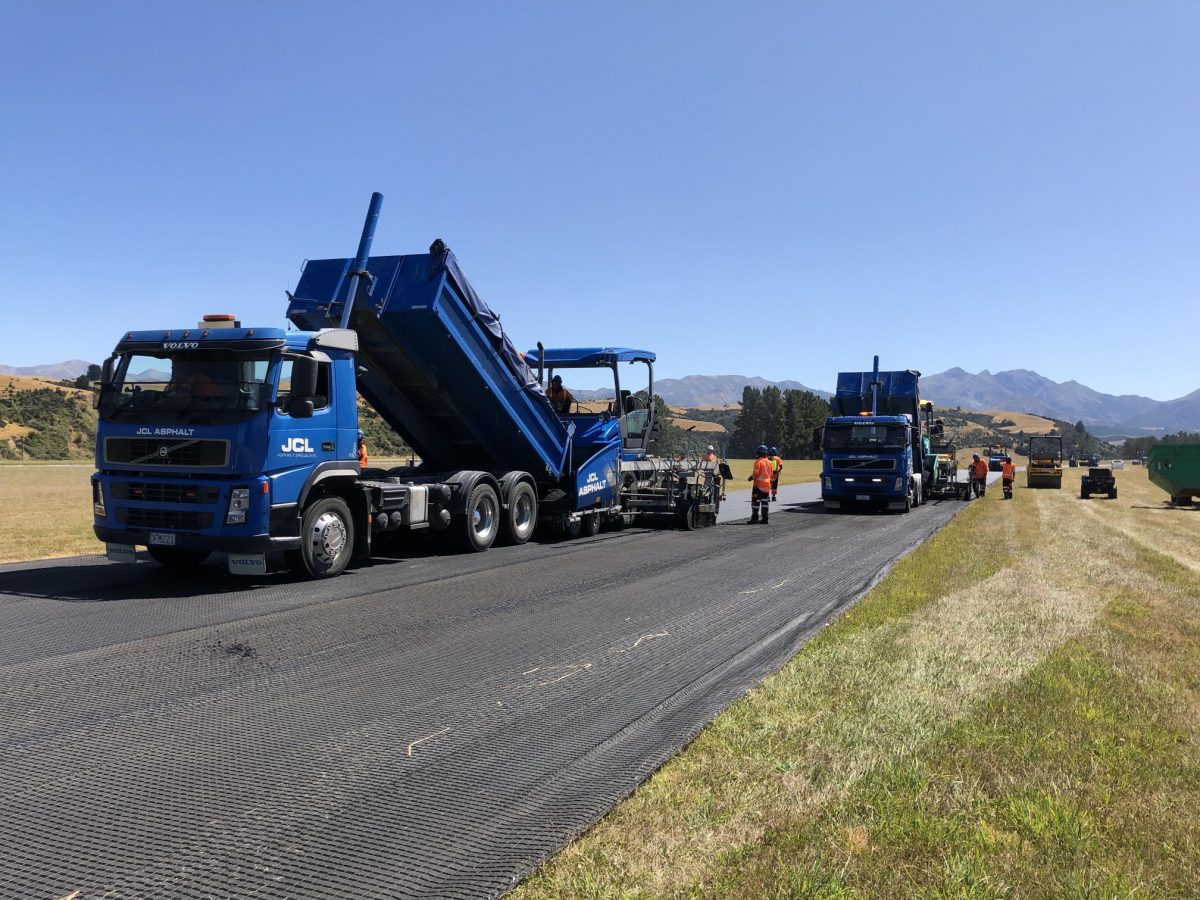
{"type": "Point", "coordinates": [239, 502]}
{"type": "Point", "coordinates": [899, 484]}
{"type": "Point", "coordinates": [98, 500]}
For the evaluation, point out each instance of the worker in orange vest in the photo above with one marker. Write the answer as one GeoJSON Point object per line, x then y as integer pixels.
{"type": "Point", "coordinates": [1008, 473]}
{"type": "Point", "coordinates": [362, 450]}
{"type": "Point", "coordinates": [979, 470]}
{"type": "Point", "coordinates": [776, 468]}
{"type": "Point", "coordinates": [760, 494]}
{"type": "Point", "coordinates": [710, 455]}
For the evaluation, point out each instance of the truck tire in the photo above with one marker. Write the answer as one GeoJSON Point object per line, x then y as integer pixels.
{"type": "Point", "coordinates": [1112, 495]}
{"type": "Point", "coordinates": [1083, 493]}
{"type": "Point", "coordinates": [478, 526]}
{"type": "Point", "coordinates": [177, 557]}
{"type": "Point", "coordinates": [521, 516]}
{"type": "Point", "coordinates": [591, 525]}
{"type": "Point", "coordinates": [326, 539]}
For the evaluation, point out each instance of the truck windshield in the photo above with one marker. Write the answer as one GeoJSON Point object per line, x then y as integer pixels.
{"type": "Point", "coordinates": [865, 438]}
{"type": "Point", "coordinates": [205, 387]}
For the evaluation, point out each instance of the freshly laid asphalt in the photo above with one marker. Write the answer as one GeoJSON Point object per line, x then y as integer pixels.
{"type": "Point", "coordinates": [430, 724]}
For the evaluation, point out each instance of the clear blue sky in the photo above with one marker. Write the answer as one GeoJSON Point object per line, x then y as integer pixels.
{"type": "Point", "coordinates": [775, 189]}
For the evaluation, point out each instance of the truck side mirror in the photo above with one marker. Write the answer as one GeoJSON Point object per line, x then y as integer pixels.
{"type": "Point", "coordinates": [304, 385]}
{"type": "Point", "coordinates": [106, 372]}
{"type": "Point", "coordinates": [816, 439]}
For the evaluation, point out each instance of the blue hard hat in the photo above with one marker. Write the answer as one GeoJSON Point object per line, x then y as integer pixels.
{"type": "Point", "coordinates": [773, 450]}
{"type": "Point", "coordinates": [762, 450]}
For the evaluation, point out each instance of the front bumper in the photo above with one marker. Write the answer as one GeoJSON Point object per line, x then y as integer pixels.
{"type": "Point", "coordinates": [257, 543]}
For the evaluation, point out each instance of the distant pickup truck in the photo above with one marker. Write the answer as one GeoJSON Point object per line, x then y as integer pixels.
{"type": "Point", "coordinates": [1098, 480]}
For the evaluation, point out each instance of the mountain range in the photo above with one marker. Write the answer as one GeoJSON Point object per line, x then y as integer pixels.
{"type": "Point", "coordinates": [1023, 390]}
{"type": "Point", "coordinates": [71, 369]}
{"type": "Point", "coordinates": [1015, 390]}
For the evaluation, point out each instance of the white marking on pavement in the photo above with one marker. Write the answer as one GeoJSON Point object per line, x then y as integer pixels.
{"type": "Point", "coordinates": [427, 738]}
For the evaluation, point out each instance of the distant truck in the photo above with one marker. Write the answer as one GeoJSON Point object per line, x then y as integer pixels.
{"type": "Point", "coordinates": [996, 458]}
{"type": "Point", "coordinates": [874, 449]}
{"type": "Point", "coordinates": [220, 437]}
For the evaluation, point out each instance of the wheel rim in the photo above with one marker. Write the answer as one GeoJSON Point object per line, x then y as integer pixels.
{"type": "Point", "coordinates": [522, 518]}
{"type": "Point", "coordinates": [328, 538]}
{"type": "Point", "coordinates": [483, 519]}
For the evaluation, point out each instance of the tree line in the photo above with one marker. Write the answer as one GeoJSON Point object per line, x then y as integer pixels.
{"type": "Point", "coordinates": [783, 419]}
{"type": "Point", "coordinates": [1140, 446]}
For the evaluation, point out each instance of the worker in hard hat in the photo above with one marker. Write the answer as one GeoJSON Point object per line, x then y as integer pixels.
{"type": "Point", "coordinates": [760, 493]}
{"type": "Point", "coordinates": [710, 455]}
{"type": "Point", "coordinates": [362, 449]}
{"type": "Point", "coordinates": [560, 398]}
{"type": "Point", "coordinates": [1008, 474]}
{"type": "Point", "coordinates": [979, 471]}
{"type": "Point", "coordinates": [776, 468]}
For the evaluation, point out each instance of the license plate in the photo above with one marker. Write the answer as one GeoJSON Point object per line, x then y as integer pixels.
{"type": "Point", "coordinates": [162, 538]}
{"type": "Point", "coordinates": [862, 496]}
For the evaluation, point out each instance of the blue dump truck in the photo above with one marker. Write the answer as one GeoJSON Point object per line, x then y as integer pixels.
{"type": "Point", "coordinates": [875, 449]}
{"type": "Point", "coordinates": [243, 440]}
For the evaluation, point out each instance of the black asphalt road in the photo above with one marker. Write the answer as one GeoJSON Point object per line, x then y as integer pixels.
{"type": "Point", "coordinates": [432, 725]}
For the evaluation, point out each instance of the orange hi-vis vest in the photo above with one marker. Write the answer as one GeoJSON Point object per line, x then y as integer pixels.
{"type": "Point", "coordinates": [981, 468]}
{"type": "Point", "coordinates": [777, 463]}
{"type": "Point", "coordinates": [762, 473]}
{"type": "Point", "coordinates": [1008, 471]}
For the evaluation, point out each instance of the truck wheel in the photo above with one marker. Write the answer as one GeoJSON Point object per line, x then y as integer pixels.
{"type": "Point", "coordinates": [1112, 495]}
{"type": "Point", "coordinates": [177, 557]}
{"type": "Point", "coordinates": [326, 539]}
{"type": "Point", "coordinates": [521, 516]}
{"type": "Point", "coordinates": [478, 527]}
{"type": "Point", "coordinates": [591, 525]}
{"type": "Point", "coordinates": [1083, 494]}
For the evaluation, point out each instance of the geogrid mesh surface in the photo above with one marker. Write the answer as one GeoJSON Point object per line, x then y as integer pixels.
{"type": "Point", "coordinates": [431, 726]}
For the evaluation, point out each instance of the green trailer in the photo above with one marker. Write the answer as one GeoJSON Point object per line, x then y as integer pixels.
{"type": "Point", "coordinates": [1176, 469]}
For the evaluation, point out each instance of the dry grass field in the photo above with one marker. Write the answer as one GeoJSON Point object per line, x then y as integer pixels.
{"type": "Point", "coordinates": [795, 471]}
{"type": "Point", "coordinates": [1014, 711]}
{"type": "Point", "coordinates": [46, 510]}
{"type": "Point", "coordinates": [1022, 422]}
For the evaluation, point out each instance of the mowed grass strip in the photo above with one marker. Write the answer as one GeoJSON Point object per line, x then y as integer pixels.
{"type": "Point", "coordinates": [1012, 712]}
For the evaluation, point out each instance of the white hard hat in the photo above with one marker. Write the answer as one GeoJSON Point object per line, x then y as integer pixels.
{"type": "Point", "coordinates": [710, 446]}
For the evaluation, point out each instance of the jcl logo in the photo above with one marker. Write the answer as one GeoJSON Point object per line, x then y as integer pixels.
{"type": "Point", "coordinates": [296, 445]}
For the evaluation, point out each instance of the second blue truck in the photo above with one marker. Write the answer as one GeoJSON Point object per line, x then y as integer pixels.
{"type": "Point", "coordinates": [875, 448]}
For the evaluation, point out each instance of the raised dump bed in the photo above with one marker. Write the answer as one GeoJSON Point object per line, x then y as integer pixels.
{"type": "Point", "coordinates": [439, 368]}
{"type": "Point", "coordinates": [1176, 469]}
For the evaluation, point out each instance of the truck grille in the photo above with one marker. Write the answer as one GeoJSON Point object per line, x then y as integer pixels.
{"type": "Point", "coordinates": [137, 517]}
{"type": "Point", "coordinates": [151, 492]}
{"type": "Point", "coordinates": [166, 452]}
{"type": "Point", "coordinates": [864, 465]}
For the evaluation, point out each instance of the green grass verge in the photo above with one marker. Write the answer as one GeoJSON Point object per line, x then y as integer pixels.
{"type": "Point", "coordinates": [1011, 712]}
